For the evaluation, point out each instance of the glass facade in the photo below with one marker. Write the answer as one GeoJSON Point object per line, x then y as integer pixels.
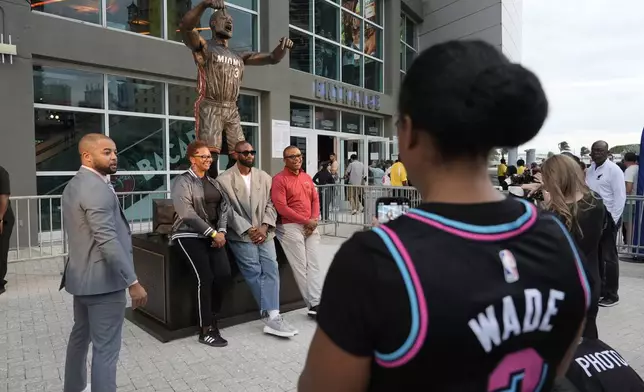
{"type": "Point", "coordinates": [324, 118]}
{"type": "Point", "coordinates": [149, 17]}
{"type": "Point", "coordinates": [339, 40]}
{"type": "Point", "coordinates": [408, 44]}
{"type": "Point", "coordinates": [151, 123]}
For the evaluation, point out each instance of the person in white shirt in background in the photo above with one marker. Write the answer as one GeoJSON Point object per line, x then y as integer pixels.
{"type": "Point", "coordinates": [355, 176]}
{"type": "Point", "coordinates": [607, 179]}
{"type": "Point", "coordinates": [630, 178]}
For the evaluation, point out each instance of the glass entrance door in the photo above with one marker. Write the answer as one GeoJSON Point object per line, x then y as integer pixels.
{"type": "Point", "coordinates": [308, 145]}
{"type": "Point", "coordinates": [350, 146]}
{"type": "Point", "coordinates": [378, 150]}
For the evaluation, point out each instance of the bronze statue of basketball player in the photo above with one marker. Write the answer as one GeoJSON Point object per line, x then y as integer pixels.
{"type": "Point", "coordinates": [220, 72]}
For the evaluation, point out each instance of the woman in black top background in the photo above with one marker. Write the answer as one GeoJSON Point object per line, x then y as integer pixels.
{"type": "Point", "coordinates": [471, 291]}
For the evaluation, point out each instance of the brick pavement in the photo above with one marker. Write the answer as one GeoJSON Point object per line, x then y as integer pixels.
{"type": "Point", "coordinates": [35, 320]}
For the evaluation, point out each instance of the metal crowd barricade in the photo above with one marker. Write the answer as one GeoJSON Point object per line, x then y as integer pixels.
{"type": "Point", "coordinates": [630, 238]}
{"type": "Point", "coordinates": [38, 231]}
{"type": "Point", "coordinates": [345, 209]}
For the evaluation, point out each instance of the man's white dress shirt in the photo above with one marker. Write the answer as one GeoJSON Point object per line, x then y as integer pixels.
{"type": "Point", "coordinates": [608, 181]}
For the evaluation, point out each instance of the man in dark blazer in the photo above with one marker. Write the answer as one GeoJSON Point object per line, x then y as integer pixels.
{"type": "Point", "coordinates": [99, 268]}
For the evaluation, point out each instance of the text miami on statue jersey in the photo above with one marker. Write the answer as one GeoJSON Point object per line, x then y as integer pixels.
{"type": "Point", "coordinates": [510, 269]}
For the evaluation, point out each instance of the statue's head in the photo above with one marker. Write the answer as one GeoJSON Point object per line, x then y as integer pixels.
{"type": "Point", "coordinates": [221, 24]}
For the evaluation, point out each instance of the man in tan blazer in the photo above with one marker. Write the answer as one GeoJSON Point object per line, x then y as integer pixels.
{"type": "Point", "coordinates": [251, 230]}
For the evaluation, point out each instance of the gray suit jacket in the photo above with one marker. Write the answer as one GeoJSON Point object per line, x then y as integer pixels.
{"type": "Point", "coordinates": [246, 210]}
{"type": "Point", "coordinates": [99, 237]}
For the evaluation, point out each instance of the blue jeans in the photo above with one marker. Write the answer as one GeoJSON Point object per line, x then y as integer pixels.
{"type": "Point", "coordinates": [258, 265]}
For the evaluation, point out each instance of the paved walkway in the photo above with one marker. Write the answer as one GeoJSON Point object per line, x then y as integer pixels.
{"type": "Point", "coordinates": [35, 320]}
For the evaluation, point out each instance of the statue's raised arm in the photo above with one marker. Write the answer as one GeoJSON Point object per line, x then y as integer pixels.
{"type": "Point", "coordinates": [190, 22]}
{"type": "Point", "coordinates": [274, 57]}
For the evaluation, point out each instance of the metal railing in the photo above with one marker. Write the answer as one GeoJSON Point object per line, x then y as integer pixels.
{"type": "Point", "coordinates": [630, 236]}
{"type": "Point", "coordinates": [39, 227]}
{"type": "Point", "coordinates": [344, 209]}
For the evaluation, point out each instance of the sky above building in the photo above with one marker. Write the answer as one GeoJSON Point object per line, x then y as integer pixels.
{"type": "Point", "coordinates": [589, 55]}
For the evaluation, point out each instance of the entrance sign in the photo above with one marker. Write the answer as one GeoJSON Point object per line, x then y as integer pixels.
{"type": "Point", "coordinates": [336, 93]}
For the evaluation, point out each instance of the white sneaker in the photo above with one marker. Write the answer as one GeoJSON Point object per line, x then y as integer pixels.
{"type": "Point", "coordinates": [88, 388]}
{"type": "Point", "coordinates": [279, 327]}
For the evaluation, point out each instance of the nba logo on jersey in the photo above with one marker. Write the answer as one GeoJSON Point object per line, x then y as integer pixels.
{"type": "Point", "coordinates": [509, 266]}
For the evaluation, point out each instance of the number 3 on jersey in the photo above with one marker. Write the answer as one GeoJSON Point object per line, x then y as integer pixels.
{"type": "Point", "coordinates": [522, 371]}
{"type": "Point", "coordinates": [236, 73]}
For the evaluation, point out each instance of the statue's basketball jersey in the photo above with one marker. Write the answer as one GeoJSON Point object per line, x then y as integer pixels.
{"type": "Point", "coordinates": [221, 74]}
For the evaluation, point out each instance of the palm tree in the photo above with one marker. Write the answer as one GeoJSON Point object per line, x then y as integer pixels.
{"type": "Point", "coordinates": [584, 151]}
{"type": "Point", "coordinates": [563, 146]}
{"type": "Point", "coordinates": [503, 152]}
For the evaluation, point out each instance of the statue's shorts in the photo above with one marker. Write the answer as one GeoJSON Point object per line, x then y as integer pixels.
{"type": "Point", "coordinates": [215, 118]}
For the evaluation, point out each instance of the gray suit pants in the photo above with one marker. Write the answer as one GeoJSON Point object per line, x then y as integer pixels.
{"type": "Point", "coordinates": [97, 319]}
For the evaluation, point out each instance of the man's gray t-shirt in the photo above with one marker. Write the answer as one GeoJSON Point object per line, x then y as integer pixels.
{"type": "Point", "coordinates": [355, 171]}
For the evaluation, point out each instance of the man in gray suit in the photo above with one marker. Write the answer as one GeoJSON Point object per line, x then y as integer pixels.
{"type": "Point", "coordinates": [99, 267]}
{"type": "Point", "coordinates": [251, 231]}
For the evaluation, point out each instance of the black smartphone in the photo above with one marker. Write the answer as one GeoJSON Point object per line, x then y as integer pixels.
{"type": "Point", "coordinates": [390, 208]}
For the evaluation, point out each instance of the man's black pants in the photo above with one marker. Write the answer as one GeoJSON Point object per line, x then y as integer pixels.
{"type": "Point", "coordinates": [5, 237]}
{"type": "Point", "coordinates": [609, 259]}
{"type": "Point", "coordinates": [212, 270]}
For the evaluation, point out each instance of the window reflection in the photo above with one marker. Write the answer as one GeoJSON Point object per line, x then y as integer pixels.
{"type": "Point", "coordinates": [326, 119]}
{"type": "Point", "coordinates": [326, 20]}
{"type": "Point", "coordinates": [251, 135]}
{"type": "Point", "coordinates": [302, 53]}
{"type": "Point", "coordinates": [66, 87]}
{"type": "Point", "coordinates": [181, 100]}
{"type": "Point", "coordinates": [83, 10]}
{"type": "Point", "coordinates": [351, 67]}
{"type": "Point", "coordinates": [372, 74]}
{"type": "Point", "coordinates": [351, 122]}
{"type": "Point", "coordinates": [352, 5]}
{"type": "Point", "coordinates": [139, 141]}
{"type": "Point", "coordinates": [327, 57]}
{"type": "Point", "coordinates": [300, 115]}
{"type": "Point", "coordinates": [57, 135]}
{"type": "Point", "coordinates": [181, 133]}
{"type": "Point", "coordinates": [244, 24]}
{"type": "Point", "coordinates": [137, 16]}
{"type": "Point", "coordinates": [299, 14]}
{"type": "Point", "coordinates": [372, 40]}
{"type": "Point", "coordinates": [135, 95]}
{"type": "Point", "coordinates": [351, 31]}
{"type": "Point", "coordinates": [372, 11]}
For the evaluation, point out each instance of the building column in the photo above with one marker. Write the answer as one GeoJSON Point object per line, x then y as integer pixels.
{"type": "Point", "coordinates": [17, 149]}
{"type": "Point", "coordinates": [275, 105]}
{"type": "Point", "coordinates": [391, 12]}
{"type": "Point", "coordinates": [17, 102]}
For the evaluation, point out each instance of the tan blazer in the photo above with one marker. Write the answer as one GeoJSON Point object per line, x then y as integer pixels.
{"type": "Point", "coordinates": [246, 210]}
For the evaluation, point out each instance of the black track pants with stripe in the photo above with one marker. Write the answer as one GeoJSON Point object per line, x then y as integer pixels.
{"type": "Point", "coordinates": [212, 270]}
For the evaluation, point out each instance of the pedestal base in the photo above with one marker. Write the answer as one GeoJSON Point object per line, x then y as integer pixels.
{"type": "Point", "coordinates": [171, 311]}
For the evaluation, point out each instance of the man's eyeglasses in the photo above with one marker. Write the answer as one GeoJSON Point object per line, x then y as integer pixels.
{"type": "Point", "coordinates": [294, 156]}
{"type": "Point", "coordinates": [247, 153]}
{"type": "Point", "coordinates": [204, 157]}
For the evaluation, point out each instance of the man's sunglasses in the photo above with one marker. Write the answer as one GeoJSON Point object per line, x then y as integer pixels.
{"type": "Point", "coordinates": [294, 156]}
{"type": "Point", "coordinates": [247, 153]}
